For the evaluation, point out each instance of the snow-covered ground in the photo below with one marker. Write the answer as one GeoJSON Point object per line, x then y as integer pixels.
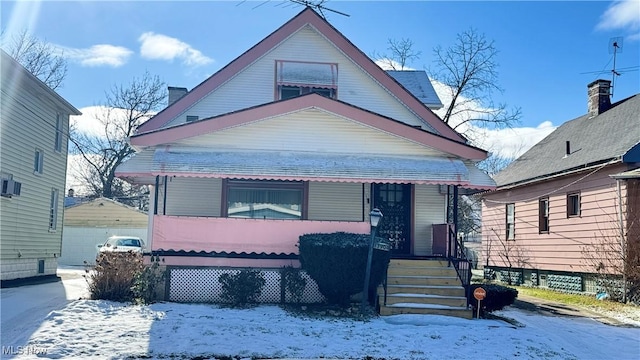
{"type": "Point", "coordinates": [101, 329]}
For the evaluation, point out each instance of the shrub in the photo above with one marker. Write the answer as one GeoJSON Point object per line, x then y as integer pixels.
{"type": "Point", "coordinates": [337, 263]}
{"type": "Point", "coordinates": [294, 283]}
{"type": "Point", "coordinates": [113, 276]}
{"type": "Point", "coordinates": [241, 288]}
{"type": "Point", "coordinates": [497, 298]}
{"type": "Point", "coordinates": [145, 283]}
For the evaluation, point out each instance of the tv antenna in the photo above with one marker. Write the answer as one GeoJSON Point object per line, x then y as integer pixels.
{"type": "Point", "coordinates": [615, 47]}
{"type": "Point", "coordinates": [319, 6]}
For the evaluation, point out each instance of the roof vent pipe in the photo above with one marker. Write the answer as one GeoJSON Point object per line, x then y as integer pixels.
{"type": "Point", "coordinates": [567, 151]}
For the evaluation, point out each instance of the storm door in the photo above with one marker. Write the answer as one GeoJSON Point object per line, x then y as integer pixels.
{"type": "Point", "coordinates": [394, 201]}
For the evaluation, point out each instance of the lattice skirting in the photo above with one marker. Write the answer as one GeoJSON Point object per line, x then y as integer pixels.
{"type": "Point", "coordinates": [201, 285]}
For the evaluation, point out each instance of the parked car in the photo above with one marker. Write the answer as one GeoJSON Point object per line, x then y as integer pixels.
{"type": "Point", "coordinates": [122, 244]}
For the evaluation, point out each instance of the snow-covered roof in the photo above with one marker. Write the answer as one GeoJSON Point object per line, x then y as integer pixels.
{"type": "Point", "coordinates": [282, 165]}
{"type": "Point", "coordinates": [417, 83]}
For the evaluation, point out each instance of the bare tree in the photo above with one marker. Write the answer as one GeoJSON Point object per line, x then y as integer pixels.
{"type": "Point", "coordinates": [39, 57]}
{"type": "Point", "coordinates": [469, 69]}
{"type": "Point", "coordinates": [510, 253]}
{"type": "Point", "coordinates": [401, 53]}
{"type": "Point", "coordinates": [126, 107]}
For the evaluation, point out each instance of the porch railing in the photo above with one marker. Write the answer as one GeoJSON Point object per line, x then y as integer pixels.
{"type": "Point", "coordinates": [457, 257]}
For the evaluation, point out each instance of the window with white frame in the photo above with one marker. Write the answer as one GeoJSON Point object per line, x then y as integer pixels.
{"type": "Point", "coordinates": [58, 142]}
{"type": "Point", "coordinates": [38, 162]}
{"type": "Point", "coordinates": [543, 218]}
{"type": "Point", "coordinates": [264, 199]}
{"type": "Point", "coordinates": [294, 78]}
{"type": "Point", "coordinates": [53, 210]}
{"type": "Point", "coordinates": [511, 221]}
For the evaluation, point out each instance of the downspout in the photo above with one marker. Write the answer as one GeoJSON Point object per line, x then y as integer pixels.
{"type": "Point", "coordinates": [164, 197]}
{"type": "Point", "coordinates": [622, 243]}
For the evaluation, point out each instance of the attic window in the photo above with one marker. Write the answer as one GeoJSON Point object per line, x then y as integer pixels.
{"type": "Point", "coordinates": [295, 78]}
{"type": "Point", "coordinates": [191, 118]}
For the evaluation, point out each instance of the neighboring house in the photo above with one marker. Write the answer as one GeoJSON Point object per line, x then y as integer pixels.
{"type": "Point", "coordinates": [302, 133]}
{"type": "Point", "coordinates": [89, 224]}
{"type": "Point", "coordinates": [33, 165]}
{"type": "Point", "coordinates": [562, 209]}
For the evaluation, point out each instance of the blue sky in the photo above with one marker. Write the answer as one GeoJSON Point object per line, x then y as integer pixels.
{"type": "Point", "coordinates": [549, 51]}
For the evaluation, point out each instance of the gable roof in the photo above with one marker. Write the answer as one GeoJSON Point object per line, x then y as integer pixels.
{"type": "Point", "coordinates": [613, 135]}
{"type": "Point", "coordinates": [312, 100]}
{"type": "Point", "coordinates": [13, 72]}
{"type": "Point", "coordinates": [417, 82]}
{"type": "Point", "coordinates": [307, 16]}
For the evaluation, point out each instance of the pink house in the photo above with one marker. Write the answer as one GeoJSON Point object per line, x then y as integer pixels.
{"type": "Point", "coordinates": [302, 133]}
{"type": "Point", "coordinates": [568, 209]}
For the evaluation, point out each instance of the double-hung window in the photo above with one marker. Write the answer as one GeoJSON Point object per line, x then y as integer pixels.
{"type": "Point", "coordinates": [511, 221]}
{"type": "Point", "coordinates": [265, 199]}
{"type": "Point", "coordinates": [58, 141]}
{"type": "Point", "coordinates": [294, 78]}
{"type": "Point", "coordinates": [53, 210]}
{"type": "Point", "coordinates": [543, 215]}
{"type": "Point", "coordinates": [38, 162]}
{"type": "Point", "coordinates": [573, 205]}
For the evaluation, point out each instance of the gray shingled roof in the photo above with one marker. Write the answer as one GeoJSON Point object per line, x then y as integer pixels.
{"type": "Point", "coordinates": [609, 135]}
{"type": "Point", "coordinates": [418, 83]}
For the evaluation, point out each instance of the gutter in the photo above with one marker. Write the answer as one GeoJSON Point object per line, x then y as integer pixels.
{"type": "Point", "coordinates": [553, 176]}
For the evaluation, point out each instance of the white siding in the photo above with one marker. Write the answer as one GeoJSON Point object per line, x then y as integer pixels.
{"type": "Point", "coordinates": [335, 201]}
{"type": "Point", "coordinates": [310, 130]}
{"type": "Point", "coordinates": [191, 197]}
{"type": "Point", "coordinates": [430, 208]}
{"type": "Point", "coordinates": [256, 84]}
{"type": "Point", "coordinates": [80, 244]}
{"type": "Point", "coordinates": [28, 122]}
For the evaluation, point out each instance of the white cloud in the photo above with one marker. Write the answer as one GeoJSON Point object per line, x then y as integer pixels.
{"type": "Point", "coordinates": [622, 15]}
{"type": "Point", "coordinates": [88, 123]}
{"type": "Point", "coordinates": [97, 55]}
{"type": "Point", "coordinates": [508, 142]}
{"type": "Point", "coordinates": [161, 47]}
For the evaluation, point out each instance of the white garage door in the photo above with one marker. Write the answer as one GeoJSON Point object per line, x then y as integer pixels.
{"type": "Point", "coordinates": [80, 244]}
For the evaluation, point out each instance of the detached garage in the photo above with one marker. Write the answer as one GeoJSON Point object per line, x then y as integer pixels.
{"type": "Point", "coordinates": [89, 224]}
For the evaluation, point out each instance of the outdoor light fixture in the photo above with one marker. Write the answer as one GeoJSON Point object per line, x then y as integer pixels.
{"type": "Point", "coordinates": [374, 217]}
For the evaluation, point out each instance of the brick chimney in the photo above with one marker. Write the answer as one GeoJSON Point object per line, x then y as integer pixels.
{"type": "Point", "coordinates": [599, 99]}
{"type": "Point", "coordinates": [175, 93]}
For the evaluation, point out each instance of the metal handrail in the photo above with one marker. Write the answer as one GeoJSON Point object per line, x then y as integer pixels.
{"type": "Point", "coordinates": [458, 258]}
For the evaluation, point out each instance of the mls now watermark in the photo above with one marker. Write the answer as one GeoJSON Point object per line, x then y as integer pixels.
{"type": "Point", "coordinates": [23, 350]}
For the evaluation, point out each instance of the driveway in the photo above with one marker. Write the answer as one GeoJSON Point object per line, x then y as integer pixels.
{"type": "Point", "coordinates": [24, 308]}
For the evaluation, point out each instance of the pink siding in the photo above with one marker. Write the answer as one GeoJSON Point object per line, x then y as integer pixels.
{"type": "Point", "coordinates": [573, 243]}
{"type": "Point", "coordinates": [240, 235]}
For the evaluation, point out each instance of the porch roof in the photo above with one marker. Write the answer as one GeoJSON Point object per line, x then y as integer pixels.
{"type": "Point", "coordinates": [300, 166]}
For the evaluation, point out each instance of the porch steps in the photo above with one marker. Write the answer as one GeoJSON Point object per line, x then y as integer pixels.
{"type": "Point", "coordinates": [423, 287]}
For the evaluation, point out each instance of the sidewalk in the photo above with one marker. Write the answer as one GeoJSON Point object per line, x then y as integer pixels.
{"type": "Point", "coordinates": [551, 308]}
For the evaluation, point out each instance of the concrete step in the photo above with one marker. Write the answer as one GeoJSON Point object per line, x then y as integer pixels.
{"type": "Point", "coordinates": [445, 290]}
{"type": "Point", "coordinates": [422, 280]}
{"type": "Point", "coordinates": [418, 263]}
{"type": "Point", "coordinates": [421, 271]}
{"type": "Point", "coordinates": [431, 309]}
{"type": "Point", "coordinates": [456, 301]}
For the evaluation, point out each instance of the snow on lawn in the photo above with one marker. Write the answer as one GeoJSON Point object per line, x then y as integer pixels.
{"type": "Point", "coordinates": [102, 329]}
